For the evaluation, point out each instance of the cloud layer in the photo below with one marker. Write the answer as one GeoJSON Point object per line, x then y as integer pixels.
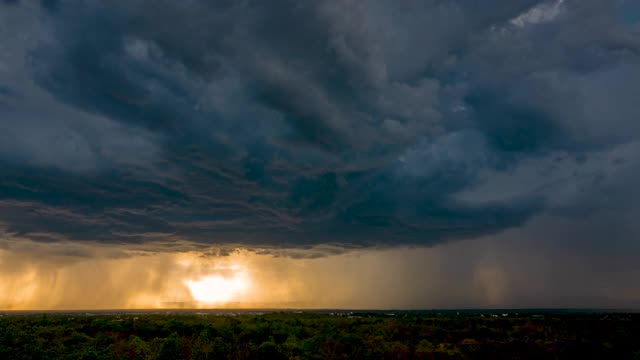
{"type": "Point", "coordinates": [332, 122]}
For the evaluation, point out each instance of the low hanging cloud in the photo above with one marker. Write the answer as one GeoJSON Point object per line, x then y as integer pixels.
{"type": "Point", "coordinates": [301, 124]}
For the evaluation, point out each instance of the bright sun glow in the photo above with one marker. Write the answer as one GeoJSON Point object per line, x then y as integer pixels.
{"type": "Point", "coordinates": [216, 289]}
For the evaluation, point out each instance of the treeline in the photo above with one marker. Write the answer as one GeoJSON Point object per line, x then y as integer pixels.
{"type": "Point", "coordinates": [320, 336]}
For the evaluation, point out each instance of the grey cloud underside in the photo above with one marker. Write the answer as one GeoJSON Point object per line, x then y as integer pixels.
{"type": "Point", "coordinates": [302, 123]}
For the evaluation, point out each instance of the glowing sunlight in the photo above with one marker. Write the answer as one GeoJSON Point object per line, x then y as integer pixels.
{"type": "Point", "coordinates": [218, 289]}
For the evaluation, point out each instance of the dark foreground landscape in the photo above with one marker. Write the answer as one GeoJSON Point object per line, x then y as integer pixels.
{"type": "Point", "coordinates": [320, 335]}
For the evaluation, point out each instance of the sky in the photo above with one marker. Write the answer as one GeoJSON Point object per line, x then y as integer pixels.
{"type": "Point", "coordinates": [319, 154]}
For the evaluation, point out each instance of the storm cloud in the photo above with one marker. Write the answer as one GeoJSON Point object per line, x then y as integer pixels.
{"type": "Point", "coordinates": [295, 124]}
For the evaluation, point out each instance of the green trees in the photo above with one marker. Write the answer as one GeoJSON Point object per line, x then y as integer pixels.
{"type": "Point", "coordinates": [170, 348]}
{"type": "Point", "coordinates": [318, 336]}
{"type": "Point", "coordinates": [268, 350]}
{"type": "Point", "coordinates": [137, 349]}
{"type": "Point", "coordinates": [209, 346]}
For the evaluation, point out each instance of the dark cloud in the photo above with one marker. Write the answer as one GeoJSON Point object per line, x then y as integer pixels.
{"type": "Point", "coordinates": [295, 124]}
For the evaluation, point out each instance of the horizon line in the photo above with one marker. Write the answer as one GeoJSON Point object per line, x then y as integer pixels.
{"type": "Point", "coordinates": [341, 310]}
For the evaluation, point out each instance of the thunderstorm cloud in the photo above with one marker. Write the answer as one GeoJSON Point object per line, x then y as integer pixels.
{"type": "Point", "coordinates": [293, 124]}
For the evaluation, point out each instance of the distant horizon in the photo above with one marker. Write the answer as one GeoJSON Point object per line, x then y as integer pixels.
{"type": "Point", "coordinates": [326, 310]}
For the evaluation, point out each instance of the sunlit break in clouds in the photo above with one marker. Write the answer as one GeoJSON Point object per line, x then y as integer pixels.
{"type": "Point", "coordinates": [325, 154]}
{"type": "Point", "coordinates": [218, 289]}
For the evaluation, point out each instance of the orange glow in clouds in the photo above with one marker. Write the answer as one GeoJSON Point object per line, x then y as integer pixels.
{"type": "Point", "coordinates": [218, 289]}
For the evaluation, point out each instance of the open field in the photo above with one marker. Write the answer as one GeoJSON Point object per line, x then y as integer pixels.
{"type": "Point", "coordinates": [319, 335]}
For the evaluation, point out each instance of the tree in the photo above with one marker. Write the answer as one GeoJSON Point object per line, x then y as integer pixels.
{"type": "Point", "coordinates": [268, 350]}
{"type": "Point", "coordinates": [170, 348]}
